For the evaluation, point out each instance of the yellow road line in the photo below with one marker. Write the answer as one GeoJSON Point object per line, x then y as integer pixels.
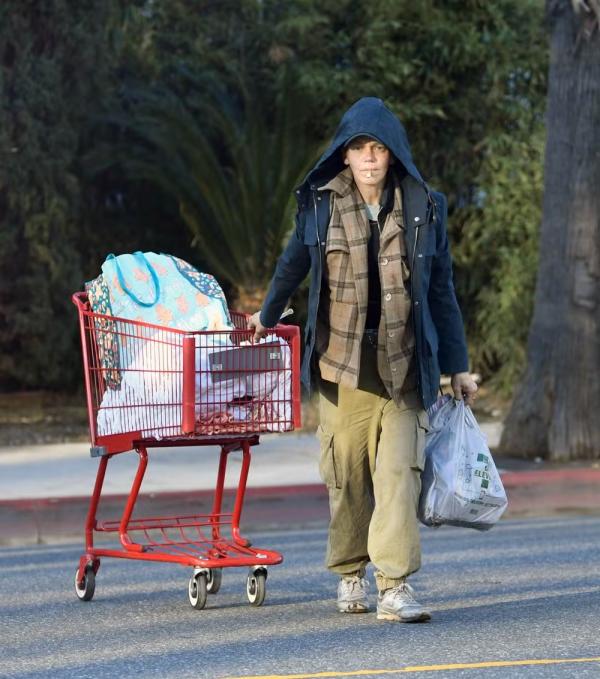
{"type": "Point", "coordinates": [425, 668]}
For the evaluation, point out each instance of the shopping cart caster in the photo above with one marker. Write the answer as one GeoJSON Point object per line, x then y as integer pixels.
{"type": "Point", "coordinates": [256, 585]}
{"type": "Point", "coordinates": [213, 580]}
{"type": "Point", "coordinates": [197, 589]}
{"type": "Point", "coordinates": [85, 588]}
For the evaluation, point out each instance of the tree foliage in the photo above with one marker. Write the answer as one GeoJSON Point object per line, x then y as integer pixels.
{"type": "Point", "coordinates": [498, 255]}
{"type": "Point", "coordinates": [229, 162]}
{"type": "Point", "coordinates": [50, 75]}
{"type": "Point", "coordinates": [466, 78]}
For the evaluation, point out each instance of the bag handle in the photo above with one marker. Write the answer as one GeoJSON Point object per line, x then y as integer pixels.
{"type": "Point", "coordinates": [141, 257]}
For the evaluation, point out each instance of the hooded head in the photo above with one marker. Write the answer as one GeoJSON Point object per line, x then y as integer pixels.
{"type": "Point", "coordinates": [368, 117]}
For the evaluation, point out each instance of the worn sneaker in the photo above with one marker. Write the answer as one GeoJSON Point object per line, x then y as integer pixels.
{"type": "Point", "coordinates": [352, 594]}
{"type": "Point", "coordinates": [400, 605]}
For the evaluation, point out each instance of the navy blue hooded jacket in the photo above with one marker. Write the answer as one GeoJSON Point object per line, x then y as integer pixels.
{"type": "Point", "coordinates": [439, 334]}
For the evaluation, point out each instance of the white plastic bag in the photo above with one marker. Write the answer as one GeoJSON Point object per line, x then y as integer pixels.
{"type": "Point", "coordinates": [460, 484]}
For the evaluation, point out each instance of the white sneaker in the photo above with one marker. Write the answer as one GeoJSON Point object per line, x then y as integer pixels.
{"type": "Point", "coordinates": [352, 594]}
{"type": "Point", "coordinates": [399, 604]}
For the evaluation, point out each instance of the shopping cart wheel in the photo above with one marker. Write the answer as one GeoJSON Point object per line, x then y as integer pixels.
{"type": "Point", "coordinates": [213, 582]}
{"type": "Point", "coordinates": [86, 588]}
{"type": "Point", "coordinates": [256, 586]}
{"type": "Point", "coordinates": [197, 590]}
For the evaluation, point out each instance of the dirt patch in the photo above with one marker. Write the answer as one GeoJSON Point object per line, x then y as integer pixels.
{"type": "Point", "coordinates": [42, 417]}
{"type": "Point", "coordinates": [34, 417]}
{"type": "Point", "coordinates": [29, 418]}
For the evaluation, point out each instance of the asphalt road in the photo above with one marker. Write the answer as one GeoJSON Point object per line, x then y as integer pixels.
{"type": "Point", "coordinates": [529, 590]}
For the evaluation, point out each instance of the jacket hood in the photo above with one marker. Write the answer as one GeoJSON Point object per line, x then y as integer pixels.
{"type": "Point", "coordinates": [368, 116]}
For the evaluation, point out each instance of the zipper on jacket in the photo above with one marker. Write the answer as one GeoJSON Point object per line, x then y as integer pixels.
{"type": "Point", "coordinates": [412, 262]}
{"type": "Point", "coordinates": [412, 308]}
{"type": "Point", "coordinates": [314, 192]}
{"type": "Point", "coordinates": [320, 272]}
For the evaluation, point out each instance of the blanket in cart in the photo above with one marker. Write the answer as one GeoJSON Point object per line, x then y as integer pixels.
{"type": "Point", "coordinates": [151, 288]}
{"type": "Point", "coordinates": [142, 363]}
{"type": "Point", "coordinates": [165, 290]}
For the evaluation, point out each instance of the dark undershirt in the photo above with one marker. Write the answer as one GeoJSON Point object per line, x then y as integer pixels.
{"type": "Point", "coordinates": [374, 305]}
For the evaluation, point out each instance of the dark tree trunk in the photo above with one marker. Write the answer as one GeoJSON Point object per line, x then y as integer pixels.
{"type": "Point", "coordinates": [556, 410]}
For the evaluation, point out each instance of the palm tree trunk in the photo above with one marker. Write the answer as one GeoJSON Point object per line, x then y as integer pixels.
{"type": "Point", "coordinates": [556, 410]}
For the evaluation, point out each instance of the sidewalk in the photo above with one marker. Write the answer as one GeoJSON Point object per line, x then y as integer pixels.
{"type": "Point", "coordinates": [45, 489]}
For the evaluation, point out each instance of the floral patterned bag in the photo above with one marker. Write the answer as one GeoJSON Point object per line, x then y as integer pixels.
{"type": "Point", "coordinates": [152, 288]}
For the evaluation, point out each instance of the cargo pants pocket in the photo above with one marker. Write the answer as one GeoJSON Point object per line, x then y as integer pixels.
{"type": "Point", "coordinates": [327, 466]}
{"type": "Point", "coordinates": [422, 426]}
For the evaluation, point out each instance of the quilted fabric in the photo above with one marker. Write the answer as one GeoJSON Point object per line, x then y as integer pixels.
{"type": "Point", "coordinates": [163, 290]}
{"type": "Point", "coordinates": [152, 288]}
{"type": "Point", "coordinates": [106, 332]}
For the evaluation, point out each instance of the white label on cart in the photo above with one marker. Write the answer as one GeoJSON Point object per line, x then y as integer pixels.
{"type": "Point", "coordinates": [274, 355]}
{"type": "Point", "coordinates": [261, 556]}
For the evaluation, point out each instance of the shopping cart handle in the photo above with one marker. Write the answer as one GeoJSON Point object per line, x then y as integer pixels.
{"type": "Point", "coordinates": [80, 300]}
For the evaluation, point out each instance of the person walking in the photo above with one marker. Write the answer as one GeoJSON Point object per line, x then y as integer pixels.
{"type": "Point", "coordinates": [383, 323]}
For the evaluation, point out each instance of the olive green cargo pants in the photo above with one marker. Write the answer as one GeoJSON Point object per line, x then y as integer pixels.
{"type": "Point", "coordinates": [372, 455]}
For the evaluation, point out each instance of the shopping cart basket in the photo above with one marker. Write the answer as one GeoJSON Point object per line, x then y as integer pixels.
{"type": "Point", "coordinates": [150, 386]}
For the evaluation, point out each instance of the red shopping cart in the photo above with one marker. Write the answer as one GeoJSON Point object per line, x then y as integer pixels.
{"type": "Point", "coordinates": [150, 386]}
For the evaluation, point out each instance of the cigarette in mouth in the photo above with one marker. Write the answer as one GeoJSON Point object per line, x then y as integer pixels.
{"type": "Point", "coordinates": [369, 175]}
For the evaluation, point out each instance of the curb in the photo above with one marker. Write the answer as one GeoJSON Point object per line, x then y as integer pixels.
{"type": "Point", "coordinates": [44, 520]}
{"type": "Point", "coordinates": [584, 475]}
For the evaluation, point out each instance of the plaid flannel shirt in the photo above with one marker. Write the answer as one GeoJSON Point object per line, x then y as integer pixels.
{"type": "Point", "coordinates": [344, 293]}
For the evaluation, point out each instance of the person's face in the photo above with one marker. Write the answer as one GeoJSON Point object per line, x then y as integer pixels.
{"type": "Point", "coordinates": [368, 159]}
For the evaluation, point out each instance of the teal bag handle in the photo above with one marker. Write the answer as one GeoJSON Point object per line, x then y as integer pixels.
{"type": "Point", "coordinates": [140, 257]}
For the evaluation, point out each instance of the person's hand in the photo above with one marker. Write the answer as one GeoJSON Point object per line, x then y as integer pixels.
{"type": "Point", "coordinates": [463, 385]}
{"type": "Point", "coordinates": [254, 324]}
